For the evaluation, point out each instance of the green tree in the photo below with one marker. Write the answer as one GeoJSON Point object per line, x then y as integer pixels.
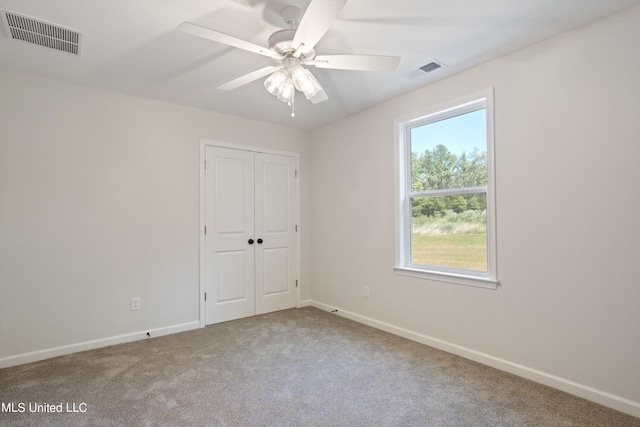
{"type": "Point", "coordinates": [458, 204]}
{"type": "Point", "coordinates": [441, 172]}
{"type": "Point", "coordinates": [429, 206]}
{"type": "Point", "coordinates": [418, 171]}
{"type": "Point", "coordinates": [438, 169]}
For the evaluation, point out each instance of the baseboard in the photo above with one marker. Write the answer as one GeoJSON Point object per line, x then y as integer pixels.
{"type": "Point", "coordinates": [603, 398]}
{"type": "Point", "coordinates": [304, 303]}
{"type": "Point", "coordinates": [48, 353]}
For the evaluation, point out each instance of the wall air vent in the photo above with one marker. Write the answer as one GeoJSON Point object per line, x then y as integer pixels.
{"type": "Point", "coordinates": [41, 33]}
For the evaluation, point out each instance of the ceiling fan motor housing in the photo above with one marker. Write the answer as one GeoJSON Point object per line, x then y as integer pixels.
{"type": "Point", "coordinates": [281, 42]}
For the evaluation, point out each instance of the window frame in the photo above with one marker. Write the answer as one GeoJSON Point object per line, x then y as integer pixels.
{"type": "Point", "coordinates": [403, 229]}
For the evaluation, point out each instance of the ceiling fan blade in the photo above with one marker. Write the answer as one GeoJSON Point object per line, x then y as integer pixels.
{"type": "Point", "coordinates": [316, 21]}
{"type": "Point", "coordinates": [356, 62]}
{"type": "Point", "coordinates": [248, 78]}
{"type": "Point", "coordinates": [319, 97]}
{"type": "Point", "coordinates": [219, 37]}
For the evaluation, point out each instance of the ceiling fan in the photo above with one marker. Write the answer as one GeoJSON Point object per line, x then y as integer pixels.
{"type": "Point", "coordinates": [294, 48]}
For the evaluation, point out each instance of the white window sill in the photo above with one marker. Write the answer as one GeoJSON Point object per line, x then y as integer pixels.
{"type": "Point", "coordinates": [459, 279]}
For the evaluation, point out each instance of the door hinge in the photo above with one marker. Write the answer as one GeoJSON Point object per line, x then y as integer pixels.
{"type": "Point", "coordinates": [205, 296]}
{"type": "Point", "coordinates": [296, 228]}
{"type": "Point", "coordinates": [205, 164]}
{"type": "Point", "coordinates": [205, 229]}
{"type": "Point", "coordinates": [296, 173]}
{"type": "Point", "coordinates": [296, 283]}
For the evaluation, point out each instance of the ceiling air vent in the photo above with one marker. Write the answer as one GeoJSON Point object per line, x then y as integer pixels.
{"type": "Point", "coordinates": [421, 71]}
{"type": "Point", "coordinates": [431, 66]}
{"type": "Point", "coordinates": [41, 33]}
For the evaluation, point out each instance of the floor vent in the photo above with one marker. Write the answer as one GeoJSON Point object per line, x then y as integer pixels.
{"type": "Point", "coordinates": [41, 33]}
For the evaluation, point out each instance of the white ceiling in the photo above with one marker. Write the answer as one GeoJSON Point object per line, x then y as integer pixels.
{"type": "Point", "coordinates": [133, 47]}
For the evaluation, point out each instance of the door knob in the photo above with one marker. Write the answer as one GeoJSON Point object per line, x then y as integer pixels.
{"type": "Point", "coordinates": [251, 241]}
{"type": "Point", "coordinates": [259, 241]}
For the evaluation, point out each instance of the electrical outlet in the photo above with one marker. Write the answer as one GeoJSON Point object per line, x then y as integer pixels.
{"type": "Point", "coordinates": [135, 304]}
{"type": "Point", "coordinates": [366, 292]}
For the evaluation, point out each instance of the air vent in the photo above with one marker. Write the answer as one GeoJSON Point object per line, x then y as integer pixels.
{"type": "Point", "coordinates": [431, 66]}
{"type": "Point", "coordinates": [41, 33]}
{"type": "Point", "coordinates": [421, 71]}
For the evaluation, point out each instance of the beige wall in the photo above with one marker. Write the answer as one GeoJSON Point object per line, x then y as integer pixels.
{"type": "Point", "coordinates": [99, 203]}
{"type": "Point", "coordinates": [567, 151]}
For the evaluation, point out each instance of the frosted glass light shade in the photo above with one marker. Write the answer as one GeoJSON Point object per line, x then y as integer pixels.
{"type": "Point", "coordinates": [275, 82]}
{"type": "Point", "coordinates": [286, 94]}
{"type": "Point", "coordinates": [305, 82]}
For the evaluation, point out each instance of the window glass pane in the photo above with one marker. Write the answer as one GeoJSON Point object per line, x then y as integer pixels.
{"type": "Point", "coordinates": [450, 153]}
{"type": "Point", "coordinates": [450, 231]}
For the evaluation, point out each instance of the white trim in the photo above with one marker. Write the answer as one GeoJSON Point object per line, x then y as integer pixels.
{"type": "Point", "coordinates": [448, 110]}
{"type": "Point", "coordinates": [202, 265]}
{"type": "Point", "coordinates": [298, 215]}
{"type": "Point", "coordinates": [449, 192]}
{"type": "Point", "coordinates": [402, 158]}
{"type": "Point", "coordinates": [203, 144]}
{"type": "Point", "coordinates": [584, 391]}
{"type": "Point", "coordinates": [304, 303]}
{"type": "Point", "coordinates": [459, 279]}
{"type": "Point", "coordinates": [48, 353]}
{"type": "Point", "coordinates": [492, 232]}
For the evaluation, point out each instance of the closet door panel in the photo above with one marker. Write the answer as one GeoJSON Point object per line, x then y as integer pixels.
{"type": "Point", "coordinates": [275, 228]}
{"type": "Point", "coordinates": [229, 212]}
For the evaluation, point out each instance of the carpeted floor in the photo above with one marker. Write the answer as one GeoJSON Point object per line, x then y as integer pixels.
{"type": "Point", "coordinates": [300, 367]}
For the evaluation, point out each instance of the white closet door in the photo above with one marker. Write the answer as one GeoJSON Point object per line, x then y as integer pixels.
{"type": "Point", "coordinates": [276, 243]}
{"type": "Point", "coordinates": [229, 255]}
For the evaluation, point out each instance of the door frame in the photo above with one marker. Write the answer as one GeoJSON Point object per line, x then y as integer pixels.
{"type": "Point", "coordinates": [210, 143]}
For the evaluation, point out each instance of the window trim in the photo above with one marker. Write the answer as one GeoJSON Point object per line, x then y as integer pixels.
{"type": "Point", "coordinates": [403, 126]}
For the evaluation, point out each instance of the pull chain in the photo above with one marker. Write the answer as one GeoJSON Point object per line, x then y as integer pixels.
{"type": "Point", "coordinates": [293, 101]}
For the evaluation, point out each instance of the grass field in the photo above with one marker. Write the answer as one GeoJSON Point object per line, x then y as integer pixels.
{"type": "Point", "coordinates": [467, 251]}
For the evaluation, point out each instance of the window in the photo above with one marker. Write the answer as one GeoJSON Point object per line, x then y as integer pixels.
{"type": "Point", "coordinates": [446, 214]}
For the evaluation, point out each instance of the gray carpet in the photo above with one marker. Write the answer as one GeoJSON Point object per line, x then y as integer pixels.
{"type": "Point", "coordinates": [300, 367]}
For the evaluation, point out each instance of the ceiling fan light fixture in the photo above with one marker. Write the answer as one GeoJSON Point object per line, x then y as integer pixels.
{"type": "Point", "coordinates": [305, 82]}
{"type": "Point", "coordinates": [275, 82]}
{"type": "Point", "coordinates": [286, 92]}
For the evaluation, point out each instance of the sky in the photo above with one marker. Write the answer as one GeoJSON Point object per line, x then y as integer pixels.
{"type": "Point", "coordinates": [459, 134]}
